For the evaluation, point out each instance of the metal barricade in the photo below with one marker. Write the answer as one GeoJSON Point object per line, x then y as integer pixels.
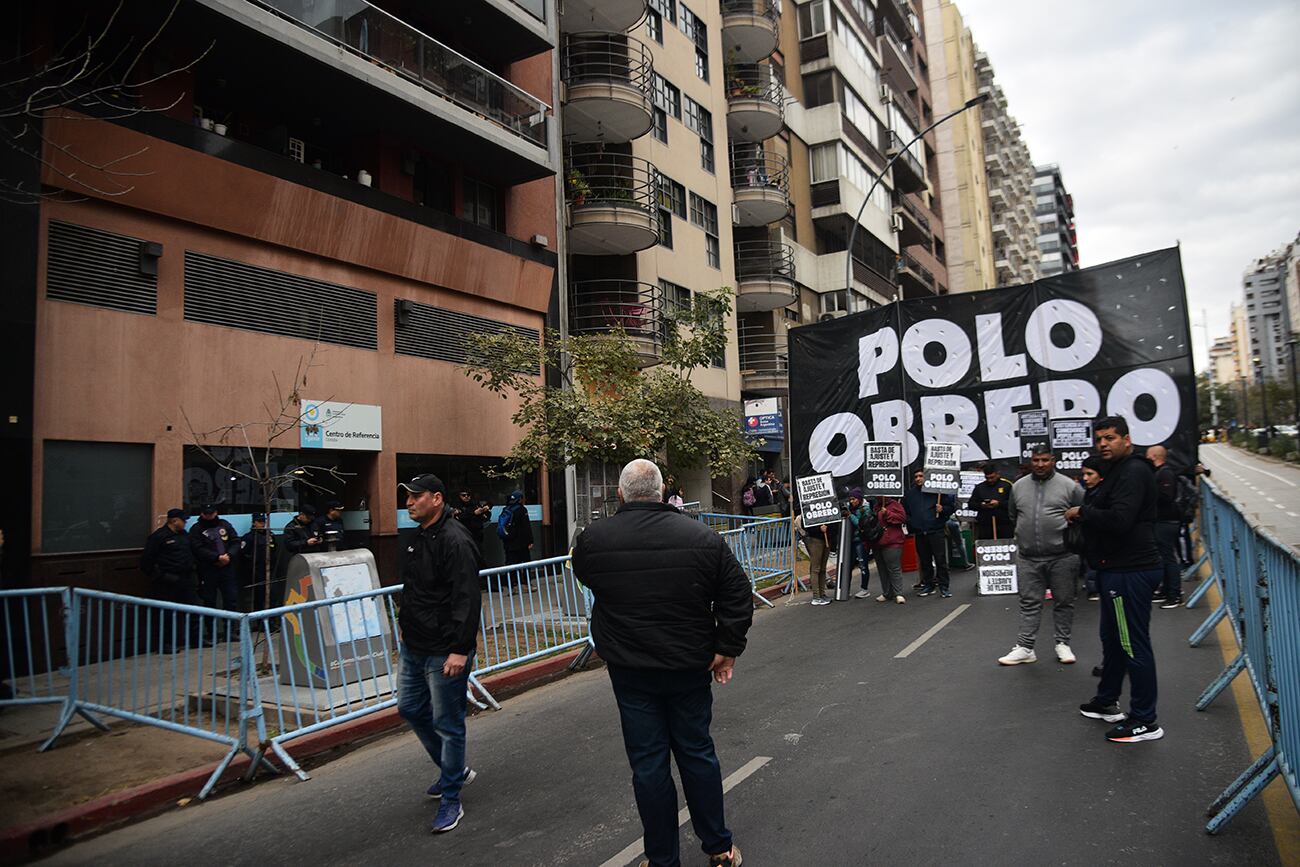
{"type": "Point", "coordinates": [36, 644]}
{"type": "Point", "coordinates": [1259, 581]}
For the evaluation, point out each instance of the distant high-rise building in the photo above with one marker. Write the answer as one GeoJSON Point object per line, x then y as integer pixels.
{"type": "Point", "coordinates": [1268, 320]}
{"type": "Point", "coordinates": [1010, 181]}
{"type": "Point", "coordinates": [1223, 361]}
{"type": "Point", "coordinates": [1058, 246]}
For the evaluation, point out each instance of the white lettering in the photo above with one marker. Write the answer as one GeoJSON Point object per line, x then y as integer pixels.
{"type": "Point", "coordinates": [877, 354]}
{"type": "Point", "coordinates": [1084, 325]}
{"type": "Point", "coordinates": [952, 418]}
{"type": "Point", "coordinates": [956, 346]}
{"type": "Point", "coordinates": [891, 420]}
{"type": "Point", "coordinates": [1001, 420]}
{"type": "Point", "coordinates": [1160, 386]}
{"type": "Point", "coordinates": [994, 362]}
{"type": "Point", "coordinates": [853, 429]}
{"type": "Point", "coordinates": [1069, 398]}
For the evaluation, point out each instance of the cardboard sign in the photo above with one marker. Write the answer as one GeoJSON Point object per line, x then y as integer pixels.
{"type": "Point", "coordinates": [817, 500]}
{"type": "Point", "coordinates": [1071, 433]}
{"type": "Point", "coordinates": [1033, 424]}
{"type": "Point", "coordinates": [995, 560]}
{"type": "Point", "coordinates": [882, 470]}
{"type": "Point", "coordinates": [942, 468]}
{"type": "Point", "coordinates": [969, 479]}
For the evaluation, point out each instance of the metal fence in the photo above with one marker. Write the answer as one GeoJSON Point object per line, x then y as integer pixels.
{"type": "Point", "coordinates": [1258, 579]}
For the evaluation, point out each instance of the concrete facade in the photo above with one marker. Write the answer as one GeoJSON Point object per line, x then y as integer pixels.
{"type": "Point", "coordinates": [1010, 178]}
{"type": "Point", "coordinates": [1058, 243]}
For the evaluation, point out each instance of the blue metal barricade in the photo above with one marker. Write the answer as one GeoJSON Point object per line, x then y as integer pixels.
{"type": "Point", "coordinates": [1258, 578]}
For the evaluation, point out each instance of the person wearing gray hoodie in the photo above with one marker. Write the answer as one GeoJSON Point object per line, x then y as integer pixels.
{"type": "Point", "coordinates": [1038, 504]}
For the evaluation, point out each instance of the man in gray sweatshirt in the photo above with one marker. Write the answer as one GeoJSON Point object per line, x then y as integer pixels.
{"type": "Point", "coordinates": [1037, 505]}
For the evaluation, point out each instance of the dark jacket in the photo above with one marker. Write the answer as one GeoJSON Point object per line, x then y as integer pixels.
{"type": "Point", "coordinates": [209, 540]}
{"type": "Point", "coordinates": [1119, 519]}
{"type": "Point", "coordinates": [325, 524]}
{"type": "Point", "coordinates": [521, 529]}
{"type": "Point", "coordinates": [474, 523]}
{"type": "Point", "coordinates": [919, 506]}
{"type": "Point", "coordinates": [669, 592]}
{"type": "Point", "coordinates": [295, 538]}
{"type": "Point", "coordinates": [1167, 495]}
{"type": "Point", "coordinates": [440, 593]}
{"type": "Point", "coordinates": [167, 553]}
{"type": "Point", "coordinates": [1000, 490]}
{"type": "Point", "coordinates": [259, 547]}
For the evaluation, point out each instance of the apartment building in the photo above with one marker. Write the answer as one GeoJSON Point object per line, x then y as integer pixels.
{"type": "Point", "coordinates": [962, 177]}
{"type": "Point", "coordinates": [1223, 362]}
{"type": "Point", "coordinates": [1010, 181]}
{"type": "Point", "coordinates": [316, 201]}
{"type": "Point", "coordinates": [1058, 243]}
{"type": "Point", "coordinates": [1267, 318]}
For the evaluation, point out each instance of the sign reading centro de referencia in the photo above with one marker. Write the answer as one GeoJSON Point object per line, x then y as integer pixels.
{"type": "Point", "coordinates": [942, 468]}
{"type": "Point", "coordinates": [329, 424]}
{"type": "Point", "coordinates": [817, 499]}
{"type": "Point", "coordinates": [882, 470]}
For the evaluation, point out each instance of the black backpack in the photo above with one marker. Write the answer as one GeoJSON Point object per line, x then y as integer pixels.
{"type": "Point", "coordinates": [1185, 499]}
{"type": "Point", "coordinates": [870, 528]}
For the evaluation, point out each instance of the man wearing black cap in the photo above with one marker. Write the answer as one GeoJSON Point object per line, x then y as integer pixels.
{"type": "Point", "coordinates": [260, 566]}
{"type": "Point", "coordinates": [168, 559]}
{"type": "Point", "coordinates": [300, 533]}
{"type": "Point", "coordinates": [215, 543]}
{"type": "Point", "coordinates": [439, 620]}
{"type": "Point", "coordinates": [991, 500]}
{"type": "Point", "coordinates": [329, 527]}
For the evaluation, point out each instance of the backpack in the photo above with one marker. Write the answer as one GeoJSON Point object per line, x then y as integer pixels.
{"type": "Point", "coordinates": [503, 522]}
{"type": "Point", "coordinates": [869, 528]}
{"type": "Point", "coordinates": [1185, 499]}
{"type": "Point", "coordinates": [749, 499]}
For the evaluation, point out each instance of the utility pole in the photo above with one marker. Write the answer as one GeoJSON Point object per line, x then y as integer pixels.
{"type": "Point", "coordinates": [1214, 392]}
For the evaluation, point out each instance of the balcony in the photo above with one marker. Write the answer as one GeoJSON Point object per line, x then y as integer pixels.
{"type": "Point", "coordinates": [760, 187]}
{"type": "Point", "coordinates": [606, 88]}
{"type": "Point", "coordinates": [391, 44]}
{"type": "Point", "coordinates": [764, 276]}
{"type": "Point", "coordinates": [915, 224]}
{"type": "Point", "coordinates": [605, 16]}
{"type": "Point", "coordinates": [750, 29]}
{"type": "Point", "coordinates": [764, 363]}
{"type": "Point", "coordinates": [1001, 232]}
{"type": "Point", "coordinates": [626, 309]}
{"type": "Point", "coordinates": [755, 102]}
{"type": "Point", "coordinates": [611, 204]}
{"type": "Point", "coordinates": [909, 174]}
{"type": "Point", "coordinates": [914, 279]}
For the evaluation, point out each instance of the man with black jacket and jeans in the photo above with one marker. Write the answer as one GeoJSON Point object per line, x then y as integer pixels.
{"type": "Point", "coordinates": [1119, 542]}
{"type": "Point", "coordinates": [672, 608]}
{"type": "Point", "coordinates": [927, 520]}
{"type": "Point", "coordinates": [439, 620]}
{"type": "Point", "coordinates": [1167, 528]}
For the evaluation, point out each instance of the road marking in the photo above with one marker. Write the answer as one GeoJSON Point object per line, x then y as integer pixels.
{"type": "Point", "coordinates": [931, 632]}
{"type": "Point", "coordinates": [1292, 515]}
{"type": "Point", "coordinates": [739, 776]}
{"type": "Point", "coordinates": [1232, 460]}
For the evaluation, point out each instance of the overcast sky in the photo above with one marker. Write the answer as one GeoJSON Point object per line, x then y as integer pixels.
{"type": "Point", "coordinates": [1171, 121]}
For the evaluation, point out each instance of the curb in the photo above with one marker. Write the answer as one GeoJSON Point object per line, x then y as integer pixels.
{"type": "Point", "coordinates": [43, 836]}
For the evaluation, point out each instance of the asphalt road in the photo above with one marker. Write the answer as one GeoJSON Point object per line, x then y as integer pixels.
{"type": "Point", "coordinates": [1268, 490]}
{"type": "Point", "coordinates": [940, 757]}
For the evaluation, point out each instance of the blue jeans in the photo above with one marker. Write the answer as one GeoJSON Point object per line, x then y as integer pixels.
{"type": "Point", "coordinates": [669, 712]}
{"type": "Point", "coordinates": [858, 558]}
{"type": "Point", "coordinates": [434, 705]}
{"type": "Point", "coordinates": [1126, 640]}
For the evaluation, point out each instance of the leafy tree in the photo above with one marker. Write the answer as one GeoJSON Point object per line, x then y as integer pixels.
{"type": "Point", "coordinates": [608, 409]}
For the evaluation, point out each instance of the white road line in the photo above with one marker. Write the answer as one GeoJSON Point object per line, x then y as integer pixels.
{"type": "Point", "coordinates": [1232, 460]}
{"type": "Point", "coordinates": [739, 776]}
{"type": "Point", "coordinates": [931, 632]}
{"type": "Point", "coordinates": [1292, 515]}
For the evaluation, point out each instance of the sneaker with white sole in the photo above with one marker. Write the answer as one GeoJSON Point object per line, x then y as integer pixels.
{"type": "Point", "coordinates": [1105, 712]}
{"type": "Point", "coordinates": [862, 594]}
{"type": "Point", "coordinates": [1064, 654]}
{"type": "Point", "coordinates": [1018, 655]}
{"type": "Point", "coordinates": [901, 600]}
{"type": "Point", "coordinates": [1134, 732]}
{"type": "Point", "coordinates": [449, 815]}
{"type": "Point", "coordinates": [821, 600]}
{"type": "Point", "coordinates": [435, 791]}
{"type": "Point", "coordinates": [882, 598]}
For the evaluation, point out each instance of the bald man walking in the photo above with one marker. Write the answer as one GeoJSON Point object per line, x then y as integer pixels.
{"type": "Point", "coordinates": [1167, 528]}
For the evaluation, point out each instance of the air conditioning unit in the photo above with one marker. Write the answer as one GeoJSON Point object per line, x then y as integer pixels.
{"type": "Point", "coordinates": [832, 314]}
{"type": "Point", "coordinates": [886, 95]}
{"type": "Point", "coordinates": [735, 214]}
{"type": "Point", "coordinates": [896, 223]}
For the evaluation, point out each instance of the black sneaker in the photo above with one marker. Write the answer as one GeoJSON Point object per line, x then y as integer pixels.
{"type": "Point", "coordinates": [1134, 732]}
{"type": "Point", "coordinates": [1157, 596]}
{"type": "Point", "coordinates": [926, 591]}
{"type": "Point", "coordinates": [1096, 671]}
{"type": "Point", "coordinates": [1172, 602]}
{"type": "Point", "coordinates": [1106, 712]}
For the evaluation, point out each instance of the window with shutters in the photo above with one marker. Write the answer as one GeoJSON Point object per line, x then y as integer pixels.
{"type": "Point", "coordinates": [103, 269]}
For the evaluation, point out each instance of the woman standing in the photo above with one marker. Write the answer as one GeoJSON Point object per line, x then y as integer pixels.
{"type": "Point", "coordinates": [818, 542]}
{"type": "Point", "coordinates": [1091, 476]}
{"type": "Point", "coordinates": [889, 550]}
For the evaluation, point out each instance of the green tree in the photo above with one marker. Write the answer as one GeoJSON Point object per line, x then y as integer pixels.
{"type": "Point", "coordinates": [608, 409]}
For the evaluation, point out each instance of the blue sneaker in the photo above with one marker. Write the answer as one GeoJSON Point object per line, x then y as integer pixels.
{"type": "Point", "coordinates": [449, 816]}
{"type": "Point", "coordinates": [945, 594]}
{"type": "Point", "coordinates": [435, 791]}
{"type": "Point", "coordinates": [928, 591]}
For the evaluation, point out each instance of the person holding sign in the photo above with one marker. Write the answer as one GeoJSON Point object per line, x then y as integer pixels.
{"type": "Point", "coordinates": [866, 532]}
{"type": "Point", "coordinates": [889, 550]}
{"type": "Point", "coordinates": [1038, 504]}
{"type": "Point", "coordinates": [991, 499]}
{"type": "Point", "coordinates": [927, 520]}
{"type": "Point", "coordinates": [1120, 543]}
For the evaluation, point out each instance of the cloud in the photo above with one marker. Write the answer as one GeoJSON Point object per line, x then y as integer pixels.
{"type": "Point", "coordinates": [1171, 121]}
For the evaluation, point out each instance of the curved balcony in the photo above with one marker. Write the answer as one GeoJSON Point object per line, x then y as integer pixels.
{"type": "Point", "coordinates": [764, 276]}
{"type": "Point", "coordinates": [606, 88]}
{"type": "Point", "coordinates": [611, 204]}
{"type": "Point", "coordinates": [750, 29]}
{"type": "Point", "coordinates": [626, 308]}
{"type": "Point", "coordinates": [755, 102]}
{"type": "Point", "coordinates": [608, 16]}
{"type": "Point", "coordinates": [764, 363]}
{"type": "Point", "coordinates": [760, 187]}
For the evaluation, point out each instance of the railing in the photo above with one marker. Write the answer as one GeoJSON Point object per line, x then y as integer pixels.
{"type": "Point", "coordinates": [378, 36]}
{"type": "Point", "coordinates": [896, 145]}
{"type": "Point", "coordinates": [758, 8]}
{"type": "Point", "coordinates": [908, 263]}
{"type": "Point", "coordinates": [766, 260]}
{"type": "Point", "coordinates": [1258, 581]}
{"type": "Point", "coordinates": [603, 306]}
{"type": "Point", "coordinates": [610, 180]}
{"type": "Point", "coordinates": [914, 212]}
{"type": "Point", "coordinates": [763, 354]}
{"type": "Point", "coordinates": [754, 168]}
{"type": "Point", "coordinates": [754, 81]}
{"type": "Point", "coordinates": [607, 58]}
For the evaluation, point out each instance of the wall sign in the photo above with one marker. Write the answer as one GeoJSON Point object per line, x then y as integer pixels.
{"type": "Point", "coordinates": [334, 425]}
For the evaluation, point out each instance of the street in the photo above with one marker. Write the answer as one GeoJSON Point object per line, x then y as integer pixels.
{"type": "Point", "coordinates": [1267, 490]}
{"type": "Point", "coordinates": [843, 747]}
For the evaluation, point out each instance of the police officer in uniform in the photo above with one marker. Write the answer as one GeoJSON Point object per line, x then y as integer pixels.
{"type": "Point", "coordinates": [329, 527]}
{"type": "Point", "coordinates": [215, 546]}
{"type": "Point", "coordinates": [990, 500]}
{"type": "Point", "coordinates": [261, 564]}
{"type": "Point", "coordinates": [168, 560]}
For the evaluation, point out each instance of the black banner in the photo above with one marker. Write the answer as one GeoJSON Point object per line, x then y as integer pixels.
{"type": "Point", "coordinates": [1112, 339]}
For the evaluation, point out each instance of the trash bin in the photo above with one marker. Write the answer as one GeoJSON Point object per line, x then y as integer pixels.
{"type": "Point", "coordinates": [911, 562]}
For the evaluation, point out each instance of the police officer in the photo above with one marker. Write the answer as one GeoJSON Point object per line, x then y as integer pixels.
{"type": "Point", "coordinates": [990, 499]}
{"type": "Point", "coordinates": [474, 514]}
{"type": "Point", "coordinates": [261, 565]}
{"type": "Point", "coordinates": [168, 560]}
{"type": "Point", "coordinates": [329, 527]}
{"type": "Point", "coordinates": [300, 535]}
{"type": "Point", "coordinates": [215, 546]}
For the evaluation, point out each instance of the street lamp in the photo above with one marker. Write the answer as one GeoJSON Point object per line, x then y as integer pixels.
{"type": "Point", "coordinates": [1295, 392]}
{"type": "Point", "coordinates": [853, 230]}
{"type": "Point", "coordinates": [1263, 397]}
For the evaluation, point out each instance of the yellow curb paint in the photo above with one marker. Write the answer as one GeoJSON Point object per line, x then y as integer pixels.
{"type": "Point", "coordinates": [1281, 810]}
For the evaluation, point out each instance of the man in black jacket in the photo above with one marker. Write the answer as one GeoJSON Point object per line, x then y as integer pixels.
{"type": "Point", "coordinates": [518, 538]}
{"type": "Point", "coordinates": [261, 565]}
{"type": "Point", "coordinates": [300, 535]}
{"type": "Point", "coordinates": [1119, 542]}
{"type": "Point", "coordinates": [672, 605]}
{"type": "Point", "coordinates": [168, 560]}
{"type": "Point", "coordinates": [991, 501]}
{"type": "Point", "coordinates": [474, 514]}
{"type": "Point", "coordinates": [927, 521]}
{"type": "Point", "coordinates": [215, 545]}
{"type": "Point", "coordinates": [439, 619]}
{"type": "Point", "coordinates": [1168, 526]}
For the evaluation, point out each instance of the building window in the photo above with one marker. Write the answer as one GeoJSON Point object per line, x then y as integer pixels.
{"type": "Point", "coordinates": [712, 251]}
{"type": "Point", "coordinates": [677, 299]}
{"type": "Point", "coordinates": [812, 19]}
{"type": "Point", "coordinates": [698, 119]}
{"type": "Point", "coordinates": [665, 227]}
{"type": "Point", "coordinates": [698, 33]}
{"type": "Point", "coordinates": [672, 195]}
{"type": "Point", "coordinates": [702, 64]}
{"type": "Point", "coordinates": [659, 124]}
{"type": "Point", "coordinates": [706, 155]}
{"type": "Point", "coordinates": [480, 204]}
{"type": "Point", "coordinates": [823, 164]}
{"type": "Point", "coordinates": [654, 25]}
{"type": "Point", "coordinates": [667, 9]}
{"type": "Point", "coordinates": [705, 215]}
{"type": "Point", "coordinates": [667, 96]}
{"type": "Point", "coordinates": [95, 496]}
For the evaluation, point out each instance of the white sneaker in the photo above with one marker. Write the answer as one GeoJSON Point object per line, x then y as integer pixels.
{"type": "Point", "coordinates": [882, 598]}
{"type": "Point", "coordinates": [1018, 655]}
{"type": "Point", "coordinates": [1065, 654]}
{"type": "Point", "coordinates": [901, 600]}
{"type": "Point", "coordinates": [821, 600]}
{"type": "Point", "coordinates": [862, 594]}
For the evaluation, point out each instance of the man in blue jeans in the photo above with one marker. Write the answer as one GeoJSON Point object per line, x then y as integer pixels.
{"type": "Point", "coordinates": [1120, 543]}
{"type": "Point", "coordinates": [439, 620]}
{"type": "Point", "coordinates": [672, 610]}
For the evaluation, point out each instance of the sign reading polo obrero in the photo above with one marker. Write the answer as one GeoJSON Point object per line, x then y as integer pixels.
{"type": "Point", "coordinates": [333, 425]}
{"type": "Point", "coordinates": [958, 369]}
